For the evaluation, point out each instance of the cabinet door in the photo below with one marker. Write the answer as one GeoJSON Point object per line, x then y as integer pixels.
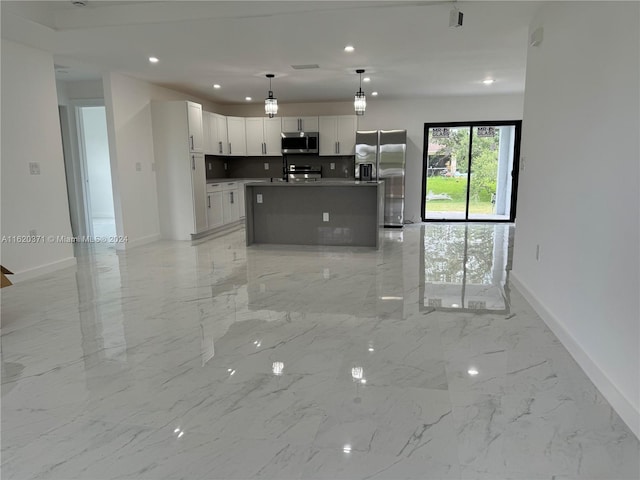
{"type": "Point", "coordinates": [207, 143]}
{"type": "Point", "coordinates": [199, 188]}
{"type": "Point", "coordinates": [214, 209]}
{"type": "Point", "coordinates": [346, 134]}
{"type": "Point", "coordinates": [230, 211]}
{"type": "Point", "coordinates": [255, 136]}
{"type": "Point", "coordinates": [290, 124]}
{"type": "Point", "coordinates": [221, 138]}
{"type": "Point", "coordinates": [241, 199]}
{"type": "Point", "coordinates": [236, 136]}
{"type": "Point", "coordinates": [309, 124]}
{"type": "Point", "coordinates": [272, 137]}
{"type": "Point", "coordinates": [328, 135]}
{"type": "Point", "coordinates": [194, 116]}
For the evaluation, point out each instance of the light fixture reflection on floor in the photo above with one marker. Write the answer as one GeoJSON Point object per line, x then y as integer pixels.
{"type": "Point", "coordinates": [271, 102]}
{"type": "Point", "coordinates": [360, 100]}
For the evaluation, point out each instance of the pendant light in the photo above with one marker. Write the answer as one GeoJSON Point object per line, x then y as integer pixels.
{"type": "Point", "coordinates": [360, 101]}
{"type": "Point", "coordinates": [271, 102]}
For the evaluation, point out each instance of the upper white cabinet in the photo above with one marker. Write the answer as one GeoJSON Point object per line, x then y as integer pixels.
{"type": "Point", "coordinates": [194, 114]}
{"type": "Point", "coordinates": [207, 141]}
{"type": "Point", "coordinates": [219, 139]}
{"type": "Point", "coordinates": [180, 171]}
{"type": "Point", "coordinates": [236, 137]}
{"type": "Point", "coordinates": [338, 135]}
{"type": "Point", "coordinates": [263, 136]}
{"type": "Point", "coordinates": [299, 124]}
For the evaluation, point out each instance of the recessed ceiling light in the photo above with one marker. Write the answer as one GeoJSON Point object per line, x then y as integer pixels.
{"type": "Point", "coordinates": [473, 371]}
{"type": "Point", "coordinates": [153, 59]}
{"type": "Point", "coordinates": [349, 48]}
{"type": "Point", "coordinates": [216, 86]}
{"type": "Point", "coordinates": [488, 81]}
{"type": "Point", "coordinates": [366, 79]}
{"type": "Point", "coordinates": [374, 94]}
{"type": "Point", "coordinates": [248, 99]}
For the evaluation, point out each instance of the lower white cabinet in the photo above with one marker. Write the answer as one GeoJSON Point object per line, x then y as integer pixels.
{"type": "Point", "coordinates": [215, 216]}
{"type": "Point", "coordinates": [241, 200]}
{"type": "Point", "coordinates": [230, 203]}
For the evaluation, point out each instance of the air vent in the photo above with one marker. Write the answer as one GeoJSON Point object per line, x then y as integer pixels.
{"type": "Point", "coordinates": [311, 66]}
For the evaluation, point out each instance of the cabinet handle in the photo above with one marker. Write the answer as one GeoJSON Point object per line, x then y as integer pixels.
{"type": "Point", "coordinates": [192, 144]}
{"type": "Point", "coordinates": [193, 162]}
{"type": "Point", "coordinates": [229, 148]}
{"type": "Point", "coordinates": [209, 201]}
{"type": "Point", "coordinates": [231, 193]}
{"type": "Point", "coordinates": [335, 147]}
{"type": "Point", "coordinates": [220, 147]}
{"type": "Point", "coordinates": [299, 124]}
{"type": "Point", "coordinates": [338, 147]}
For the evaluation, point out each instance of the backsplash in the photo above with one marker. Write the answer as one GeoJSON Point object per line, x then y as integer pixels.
{"type": "Point", "coordinates": [253, 167]}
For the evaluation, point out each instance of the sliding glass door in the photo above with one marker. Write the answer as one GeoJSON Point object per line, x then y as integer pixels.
{"type": "Point", "coordinates": [470, 171]}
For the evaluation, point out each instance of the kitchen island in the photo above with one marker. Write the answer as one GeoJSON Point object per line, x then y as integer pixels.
{"type": "Point", "coordinates": [346, 213]}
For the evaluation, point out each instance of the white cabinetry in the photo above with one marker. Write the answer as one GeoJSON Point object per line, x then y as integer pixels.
{"type": "Point", "coordinates": [214, 205]}
{"type": "Point", "coordinates": [194, 115]}
{"type": "Point", "coordinates": [299, 124]}
{"type": "Point", "coordinates": [219, 138]}
{"type": "Point", "coordinates": [236, 136]}
{"type": "Point", "coordinates": [230, 210]}
{"type": "Point", "coordinates": [338, 135]}
{"type": "Point", "coordinates": [263, 136]}
{"type": "Point", "coordinates": [180, 171]}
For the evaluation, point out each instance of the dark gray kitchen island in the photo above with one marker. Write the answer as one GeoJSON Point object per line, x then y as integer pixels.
{"type": "Point", "coordinates": [345, 213]}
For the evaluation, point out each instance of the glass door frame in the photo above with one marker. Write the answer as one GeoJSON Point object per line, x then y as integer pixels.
{"type": "Point", "coordinates": [514, 172]}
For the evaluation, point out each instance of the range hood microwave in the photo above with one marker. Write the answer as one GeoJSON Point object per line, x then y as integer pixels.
{"type": "Point", "coordinates": [299, 142]}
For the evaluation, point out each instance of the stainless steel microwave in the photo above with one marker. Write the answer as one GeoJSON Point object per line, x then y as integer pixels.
{"type": "Point", "coordinates": [300, 142]}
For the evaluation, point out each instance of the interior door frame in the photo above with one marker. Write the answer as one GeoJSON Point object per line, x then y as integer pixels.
{"type": "Point", "coordinates": [514, 172]}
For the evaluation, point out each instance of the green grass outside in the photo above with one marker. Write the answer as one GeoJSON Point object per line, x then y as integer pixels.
{"type": "Point", "coordinates": [456, 188]}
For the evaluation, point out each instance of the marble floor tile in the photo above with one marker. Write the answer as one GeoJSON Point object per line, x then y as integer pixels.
{"type": "Point", "coordinates": [218, 361]}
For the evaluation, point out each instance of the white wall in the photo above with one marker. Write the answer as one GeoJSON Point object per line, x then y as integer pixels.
{"type": "Point", "coordinates": [130, 142]}
{"type": "Point", "coordinates": [410, 115]}
{"type": "Point", "coordinates": [578, 196]}
{"type": "Point", "coordinates": [31, 133]}
{"type": "Point", "coordinates": [96, 145]}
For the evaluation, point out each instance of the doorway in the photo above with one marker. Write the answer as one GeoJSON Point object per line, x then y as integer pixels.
{"type": "Point", "coordinates": [94, 152]}
{"type": "Point", "coordinates": [470, 171]}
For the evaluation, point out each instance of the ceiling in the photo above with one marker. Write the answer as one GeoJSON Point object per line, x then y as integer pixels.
{"type": "Point", "coordinates": [406, 47]}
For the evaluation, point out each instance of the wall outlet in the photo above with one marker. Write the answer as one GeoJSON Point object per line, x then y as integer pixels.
{"type": "Point", "coordinates": [325, 217]}
{"type": "Point", "coordinates": [332, 166]}
{"type": "Point", "coordinates": [138, 167]}
{"type": "Point", "coordinates": [522, 164]}
{"type": "Point", "coordinates": [225, 165]}
{"type": "Point", "coordinates": [210, 165]}
{"type": "Point", "coordinates": [538, 253]}
{"type": "Point", "coordinates": [33, 232]}
{"type": "Point", "coordinates": [266, 166]}
{"type": "Point", "coordinates": [326, 274]}
{"type": "Point", "coordinates": [259, 198]}
{"type": "Point", "coordinates": [34, 168]}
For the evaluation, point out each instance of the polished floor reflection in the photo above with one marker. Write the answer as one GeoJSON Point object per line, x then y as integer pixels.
{"type": "Point", "coordinates": [417, 361]}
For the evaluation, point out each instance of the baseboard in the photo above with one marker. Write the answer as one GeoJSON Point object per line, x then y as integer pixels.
{"type": "Point", "coordinates": [38, 271]}
{"type": "Point", "coordinates": [629, 414]}
{"type": "Point", "coordinates": [138, 242]}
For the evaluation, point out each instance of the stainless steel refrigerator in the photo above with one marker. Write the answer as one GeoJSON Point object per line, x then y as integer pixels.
{"type": "Point", "coordinates": [385, 151]}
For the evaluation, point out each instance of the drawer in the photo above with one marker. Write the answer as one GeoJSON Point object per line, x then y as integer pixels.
{"type": "Point", "coordinates": [229, 185]}
{"type": "Point", "coordinates": [214, 187]}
